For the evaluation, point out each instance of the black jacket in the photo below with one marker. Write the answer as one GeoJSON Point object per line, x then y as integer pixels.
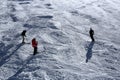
{"type": "Point", "coordinates": [23, 33]}
{"type": "Point", "coordinates": [91, 32]}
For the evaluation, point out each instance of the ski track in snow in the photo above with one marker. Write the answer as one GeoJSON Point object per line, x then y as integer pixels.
{"type": "Point", "coordinates": [65, 49]}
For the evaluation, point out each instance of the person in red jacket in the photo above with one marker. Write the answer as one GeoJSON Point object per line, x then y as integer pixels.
{"type": "Point", "coordinates": [34, 45]}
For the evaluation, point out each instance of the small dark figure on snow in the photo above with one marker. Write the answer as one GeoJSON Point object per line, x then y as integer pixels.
{"type": "Point", "coordinates": [34, 45]}
{"type": "Point", "coordinates": [91, 32]}
{"type": "Point", "coordinates": [23, 34]}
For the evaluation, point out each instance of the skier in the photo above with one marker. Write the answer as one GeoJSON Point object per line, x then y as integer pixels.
{"type": "Point", "coordinates": [34, 45]}
{"type": "Point", "coordinates": [91, 32]}
{"type": "Point", "coordinates": [23, 34]}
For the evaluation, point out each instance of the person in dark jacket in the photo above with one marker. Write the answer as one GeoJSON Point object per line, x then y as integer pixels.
{"type": "Point", "coordinates": [91, 32]}
{"type": "Point", "coordinates": [34, 45]}
{"type": "Point", "coordinates": [23, 34]}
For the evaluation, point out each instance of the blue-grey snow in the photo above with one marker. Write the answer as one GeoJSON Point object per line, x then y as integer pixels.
{"type": "Point", "coordinates": [61, 28]}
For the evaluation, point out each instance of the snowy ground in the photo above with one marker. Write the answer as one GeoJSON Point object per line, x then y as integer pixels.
{"type": "Point", "coordinates": [62, 31]}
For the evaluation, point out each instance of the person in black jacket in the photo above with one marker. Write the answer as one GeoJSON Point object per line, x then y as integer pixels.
{"type": "Point", "coordinates": [23, 34]}
{"type": "Point", "coordinates": [91, 32]}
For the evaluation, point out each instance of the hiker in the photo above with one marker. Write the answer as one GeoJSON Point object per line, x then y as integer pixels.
{"type": "Point", "coordinates": [23, 34]}
{"type": "Point", "coordinates": [34, 45]}
{"type": "Point", "coordinates": [91, 32]}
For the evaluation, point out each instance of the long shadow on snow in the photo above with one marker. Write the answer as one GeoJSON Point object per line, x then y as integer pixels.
{"type": "Point", "coordinates": [4, 59]}
{"type": "Point", "coordinates": [4, 49]}
{"type": "Point", "coordinates": [14, 77]}
{"type": "Point", "coordinates": [89, 52]}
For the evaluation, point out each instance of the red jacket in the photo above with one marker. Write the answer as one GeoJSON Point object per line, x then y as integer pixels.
{"type": "Point", "coordinates": [34, 43]}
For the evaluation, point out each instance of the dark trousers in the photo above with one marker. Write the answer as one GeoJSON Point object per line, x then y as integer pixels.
{"type": "Point", "coordinates": [92, 37]}
{"type": "Point", "coordinates": [35, 51]}
{"type": "Point", "coordinates": [23, 39]}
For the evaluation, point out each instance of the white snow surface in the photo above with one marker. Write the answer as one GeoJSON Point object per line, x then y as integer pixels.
{"type": "Point", "coordinates": [61, 28]}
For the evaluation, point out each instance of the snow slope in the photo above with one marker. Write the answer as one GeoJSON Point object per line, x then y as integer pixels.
{"type": "Point", "coordinates": [61, 28]}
